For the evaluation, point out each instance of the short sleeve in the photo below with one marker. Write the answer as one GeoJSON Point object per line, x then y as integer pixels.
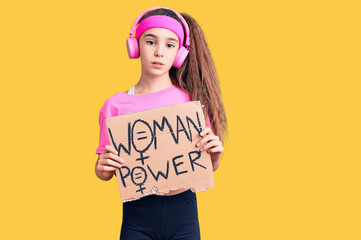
{"type": "Point", "coordinates": [103, 134]}
{"type": "Point", "coordinates": [208, 123]}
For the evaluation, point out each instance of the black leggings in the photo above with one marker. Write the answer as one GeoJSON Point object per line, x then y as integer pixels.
{"type": "Point", "coordinates": [161, 217]}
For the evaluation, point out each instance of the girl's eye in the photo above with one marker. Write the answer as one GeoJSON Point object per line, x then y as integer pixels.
{"type": "Point", "coordinates": [170, 45]}
{"type": "Point", "coordinates": [150, 42]}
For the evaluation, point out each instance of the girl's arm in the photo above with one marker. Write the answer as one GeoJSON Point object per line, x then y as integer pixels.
{"type": "Point", "coordinates": [215, 164]}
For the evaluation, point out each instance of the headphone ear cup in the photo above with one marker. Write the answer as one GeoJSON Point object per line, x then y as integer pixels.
{"type": "Point", "coordinates": [180, 57]}
{"type": "Point", "coordinates": [132, 47]}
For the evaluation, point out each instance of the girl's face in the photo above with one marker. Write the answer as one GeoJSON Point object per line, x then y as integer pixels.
{"type": "Point", "coordinates": [157, 48]}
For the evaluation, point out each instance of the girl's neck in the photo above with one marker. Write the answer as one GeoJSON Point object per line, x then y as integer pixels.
{"type": "Point", "coordinates": [152, 84]}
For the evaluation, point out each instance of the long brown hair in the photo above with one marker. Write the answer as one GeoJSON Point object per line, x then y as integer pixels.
{"type": "Point", "coordinates": [198, 75]}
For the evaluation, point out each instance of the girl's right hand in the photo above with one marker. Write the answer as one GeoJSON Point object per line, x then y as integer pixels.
{"type": "Point", "coordinates": [108, 162]}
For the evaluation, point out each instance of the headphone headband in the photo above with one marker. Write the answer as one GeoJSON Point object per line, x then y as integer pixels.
{"type": "Point", "coordinates": [186, 28]}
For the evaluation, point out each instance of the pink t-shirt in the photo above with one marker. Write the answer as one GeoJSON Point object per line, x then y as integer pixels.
{"type": "Point", "coordinates": [122, 103]}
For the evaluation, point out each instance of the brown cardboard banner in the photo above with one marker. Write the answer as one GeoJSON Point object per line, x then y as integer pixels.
{"type": "Point", "coordinates": [159, 149]}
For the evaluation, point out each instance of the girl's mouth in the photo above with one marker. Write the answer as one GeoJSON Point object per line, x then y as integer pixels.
{"type": "Point", "coordinates": [157, 64]}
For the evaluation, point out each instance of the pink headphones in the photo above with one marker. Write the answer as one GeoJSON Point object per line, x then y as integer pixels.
{"type": "Point", "coordinates": [166, 22]}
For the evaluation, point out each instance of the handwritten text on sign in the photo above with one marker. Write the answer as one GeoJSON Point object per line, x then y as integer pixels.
{"type": "Point", "coordinates": [158, 146]}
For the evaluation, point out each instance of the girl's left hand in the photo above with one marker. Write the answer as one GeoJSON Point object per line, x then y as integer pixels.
{"type": "Point", "coordinates": [211, 144]}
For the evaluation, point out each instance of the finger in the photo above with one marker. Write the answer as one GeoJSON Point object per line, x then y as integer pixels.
{"type": "Point", "coordinates": [205, 131]}
{"type": "Point", "coordinates": [216, 149]}
{"type": "Point", "coordinates": [113, 157]}
{"type": "Point", "coordinates": [107, 168]}
{"type": "Point", "coordinates": [110, 162]}
{"type": "Point", "coordinates": [209, 145]}
{"type": "Point", "coordinates": [109, 148]}
{"type": "Point", "coordinates": [205, 140]}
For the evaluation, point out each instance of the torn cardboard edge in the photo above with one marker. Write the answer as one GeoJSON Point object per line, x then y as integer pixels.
{"type": "Point", "coordinates": [155, 191]}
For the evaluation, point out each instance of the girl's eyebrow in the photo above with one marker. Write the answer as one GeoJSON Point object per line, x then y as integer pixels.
{"type": "Point", "coordinates": [152, 35]}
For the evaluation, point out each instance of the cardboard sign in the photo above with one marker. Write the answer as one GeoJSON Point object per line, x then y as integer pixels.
{"type": "Point", "coordinates": [159, 149]}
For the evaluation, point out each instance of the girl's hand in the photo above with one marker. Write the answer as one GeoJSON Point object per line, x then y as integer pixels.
{"type": "Point", "coordinates": [212, 145]}
{"type": "Point", "coordinates": [108, 162]}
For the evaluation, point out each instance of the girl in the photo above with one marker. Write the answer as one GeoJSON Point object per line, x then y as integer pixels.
{"type": "Point", "coordinates": [176, 67]}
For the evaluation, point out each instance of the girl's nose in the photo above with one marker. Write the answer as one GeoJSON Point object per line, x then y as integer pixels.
{"type": "Point", "coordinates": [158, 52]}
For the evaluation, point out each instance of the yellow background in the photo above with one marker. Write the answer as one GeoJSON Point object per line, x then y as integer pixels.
{"type": "Point", "coordinates": [290, 80]}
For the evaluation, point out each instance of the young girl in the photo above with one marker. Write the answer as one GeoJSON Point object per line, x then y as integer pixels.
{"type": "Point", "coordinates": [177, 67]}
